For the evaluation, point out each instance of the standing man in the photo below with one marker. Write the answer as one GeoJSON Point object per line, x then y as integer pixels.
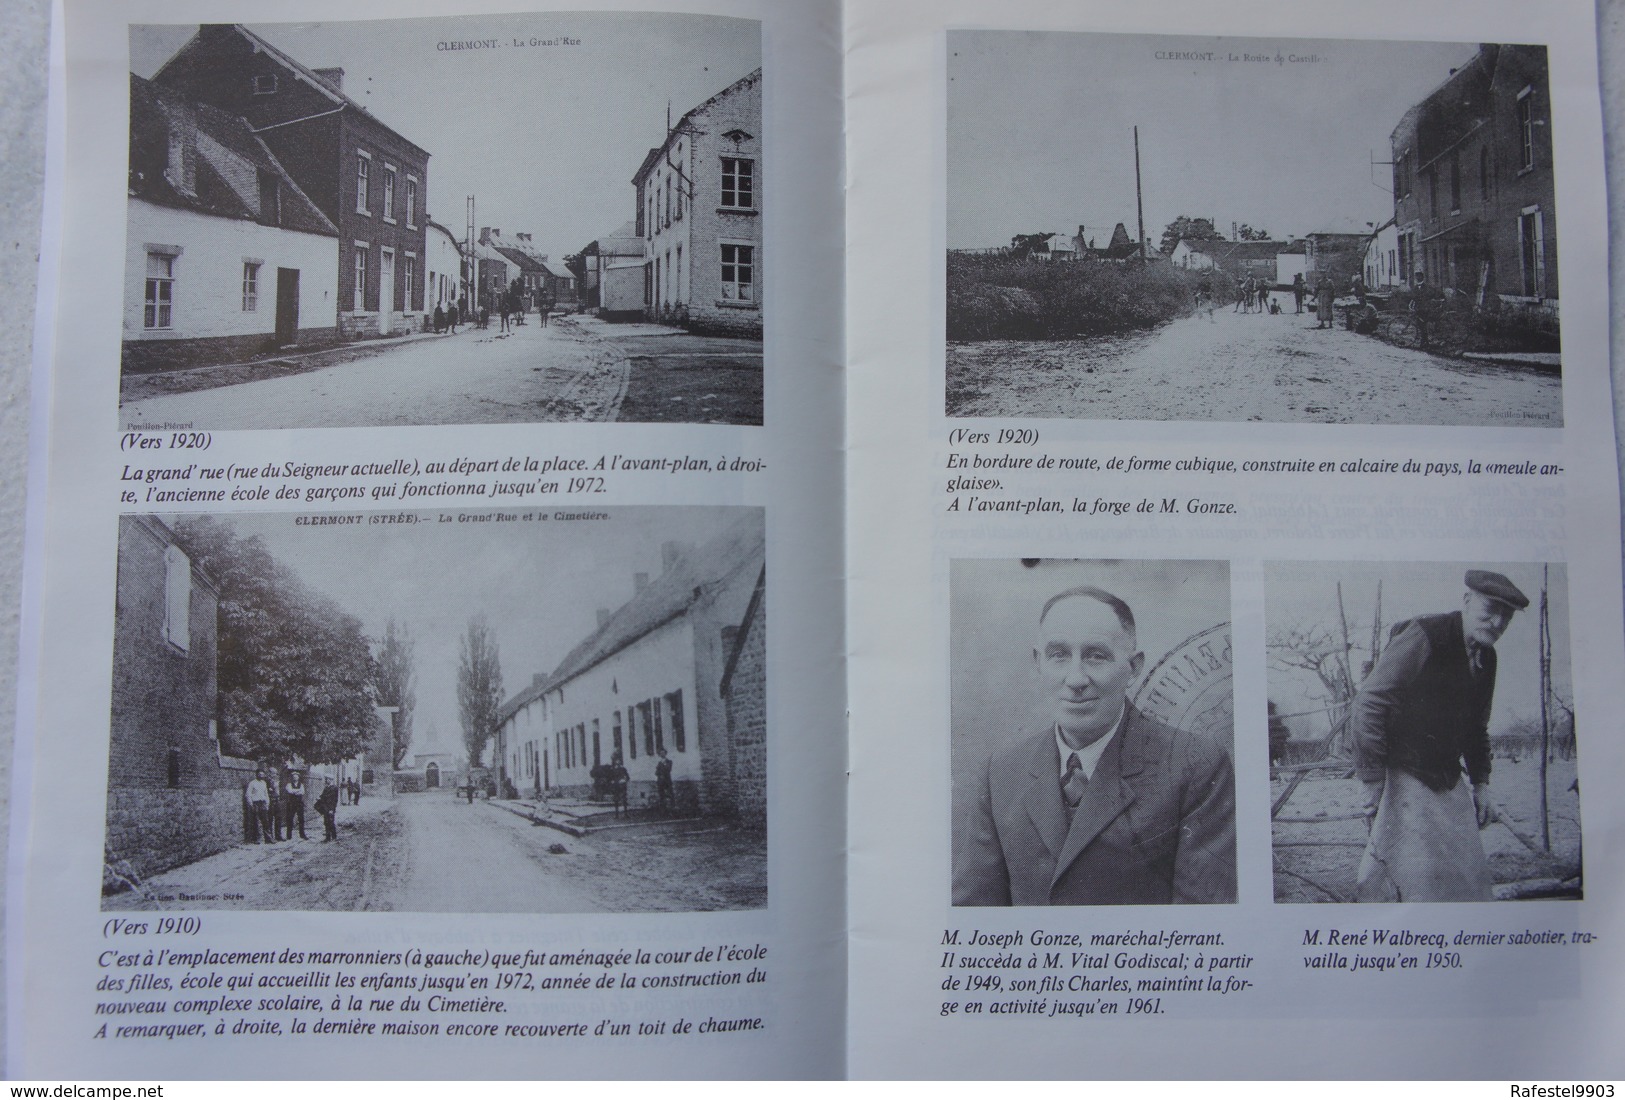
{"type": "Point", "coordinates": [663, 781]}
{"type": "Point", "coordinates": [258, 796]}
{"type": "Point", "coordinates": [1104, 806]}
{"type": "Point", "coordinates": [293, 804]}
{"type": "Point", "coordinates": [1299, 290]}
{"type": "Point", "coordinates": [1325, 295]}
{"type": "Point", "coordinates": [1421, 719]}
{"type": "Point", "coordinates": [327, 804]}
{"type": "Point", "coordinates": [619, 780]}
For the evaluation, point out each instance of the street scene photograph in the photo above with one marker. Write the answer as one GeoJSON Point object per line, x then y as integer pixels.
{"type": "Point", "coordinates": [1093, 732]}
{"type": "Point", "coordinates": [463, 712]}
{"type": "Point", "coordinates": [1421, 732]}
{"type": "Point", "coordinates": [497, 219]}
{"type": "Point", "coordinates": [1144, 227]}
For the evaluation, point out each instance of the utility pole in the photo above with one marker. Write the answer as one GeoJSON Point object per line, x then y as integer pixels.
{"type": "Point", "coordinates": [473, 267]}
{"type": "Point", "coordinates": [1139, 202]}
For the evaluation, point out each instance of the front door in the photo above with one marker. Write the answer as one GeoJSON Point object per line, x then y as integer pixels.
{"type": "Point", "coordinates": [386, 292]}
{"type": "Point", "coordinates": [287, 305]}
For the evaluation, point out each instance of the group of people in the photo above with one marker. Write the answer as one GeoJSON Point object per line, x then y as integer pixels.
{"type": "Point", "coordinates": [1253, 296]}
{"type": "Point", "coordinates": [612, 780]}
{"type": "Point", "coordinates": [273, 810]}
{"type": "Point", "coordinates": [447, 318]}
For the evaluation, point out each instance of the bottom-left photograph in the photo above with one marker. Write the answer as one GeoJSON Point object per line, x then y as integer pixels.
{"type": "Point", "coordinates": [538, 711]}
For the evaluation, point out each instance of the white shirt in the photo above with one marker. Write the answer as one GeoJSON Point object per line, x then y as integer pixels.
{"type": "Point", "coordinates": [257, 791]}
{"type": "Point", "coordinates": [1088, 756]}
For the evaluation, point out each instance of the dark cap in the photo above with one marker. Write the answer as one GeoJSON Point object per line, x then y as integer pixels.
{"type": "Point", "coordinates": [1496, 587]}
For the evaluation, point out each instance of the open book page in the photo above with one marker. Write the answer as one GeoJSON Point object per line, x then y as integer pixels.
{"type": "Point", "coordinates": [445, 427]}
{"type": "Point", "coordinates": [1234, 536]}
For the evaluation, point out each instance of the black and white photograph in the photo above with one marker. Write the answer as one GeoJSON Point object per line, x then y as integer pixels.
{"type": "Point", "coordinates": [1159, 228]}
{"type": "Point", "coordinates": [1092, 732]}
{"type": "Point", "coordinates": [474, 220]}
{"type": "Point", "coordinates": [540, 711]}
{"type": "Point", "coordinates": [1421, 732]}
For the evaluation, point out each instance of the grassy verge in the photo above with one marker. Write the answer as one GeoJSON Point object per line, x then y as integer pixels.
{"type": "Point", "coordinates": [997, 297]}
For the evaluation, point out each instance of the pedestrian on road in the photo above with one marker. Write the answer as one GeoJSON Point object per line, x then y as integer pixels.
{"type": "Point", "coordinates": [327, 804]}
{"type": "Point", "coordinates": [619, 780]}
{"type": "Point", "coordinates": [258, 796]}
{"type": "Point", "coordinates": [274, 789]}
{"type": "Point", "coordinates": [1358, 288]}
{"type": "Point", "coordinates": [1263, 297]}
{"type": "Point", "coordinates": [503, 306]}
{"type": "Point", "coordinates": [663, 782]}
{"type": "Point", "coordinates": [452, 317]}
{"type": "Point", "coordinates": [1324, 294]}
{"type": "Point", "coordinates": [543, 308]}
{"type": "Point", "coordinates": [293, 805]}
{"type": "Point", "coordinates": [1299, 290]}
{"type": "Point", "coordinates": [1241, 294]}
{"type": "Point", "coordinates": [439, 320]}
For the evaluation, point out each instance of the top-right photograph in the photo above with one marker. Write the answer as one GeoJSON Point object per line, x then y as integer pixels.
{"type": "Point", "coordinates": [1144, 227]}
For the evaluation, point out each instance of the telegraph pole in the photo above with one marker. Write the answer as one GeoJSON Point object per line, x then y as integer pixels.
{"type": "Point", "coordinates": [1139, 202]}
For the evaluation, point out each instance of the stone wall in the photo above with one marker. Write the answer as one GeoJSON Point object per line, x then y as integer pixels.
{"type": "Point", "coordinates": [746, 697]}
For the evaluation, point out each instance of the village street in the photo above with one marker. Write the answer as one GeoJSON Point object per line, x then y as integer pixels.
{"type": "Point", "coordinates": [434, 852]}
{"type": "Point", "coordinates": [1244, 366]}
{"type": "Point", "coordinates": [575, 369]}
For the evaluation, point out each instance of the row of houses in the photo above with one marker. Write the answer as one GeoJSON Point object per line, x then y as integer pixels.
{"type": "Point", "coordinates": [692, 252]}
{"type": "Point", "coordinates": [680, 669]}
{"type": "Point", "coordinates": [268, 209]}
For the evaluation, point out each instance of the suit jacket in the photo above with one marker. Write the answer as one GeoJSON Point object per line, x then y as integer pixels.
{"type": "Point", "coordinates": [1156, 826]}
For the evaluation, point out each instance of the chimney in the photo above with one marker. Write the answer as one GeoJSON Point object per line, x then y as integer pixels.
{"type": "Point", "coordinates": [603, 617]}
{"type": "Point", "coordinates": [333, 78]}
{"type": "Point", "coordinates": [640, 581]}
{"type": "Point", "coordinates": [181, 167]}
{"type": "Point", "coordinates": [670, 552]}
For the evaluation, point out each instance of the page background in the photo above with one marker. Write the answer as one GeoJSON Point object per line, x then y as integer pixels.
{"type": "Point", "coordinates": [900, 549]}
{"type": "Point", "coordinates": [61, 924]}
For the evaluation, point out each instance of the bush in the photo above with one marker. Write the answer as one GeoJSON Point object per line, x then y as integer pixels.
{"type": "Point", "coordinates": [998, 297]}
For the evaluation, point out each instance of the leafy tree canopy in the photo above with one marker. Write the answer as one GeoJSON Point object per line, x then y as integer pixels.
{"type": "Point", "coordinates": [395, 683]}
{"type": "Point", "coordinates": [1190, 229]}
{"type": "Point", "coordinates": [479, 687]}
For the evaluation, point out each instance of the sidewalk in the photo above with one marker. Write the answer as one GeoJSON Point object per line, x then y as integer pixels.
{"type": "Point", "coordinates": [135, 387]}
{"type": "Point", "coordinates": [579, 817]}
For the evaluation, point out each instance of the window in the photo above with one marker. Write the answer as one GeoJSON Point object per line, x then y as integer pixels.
{"type": "Point", "coordinates": [1526, 128]}
{"type": "Point", "coordinates": [177, 598]}
{"type": "Point", "coordinates": [1433, 191]}
{"type": "Point", "coordinates": [160, 293]}
{"type": "Point", "coordinates": [738, 268]}
{"type": "Point", "coordinates": [646, 720]}
{"type": "Point", "coordinates": [363, 166]}
{"type": "Point", "coordinates": [597, 754]}
{"type": "Point", "coordinates": [251, 286]}
{"type": "Point", "coordinates": [668, 201]}
{"type": "Point", "coordinates": [389, 193]}
{"type": "Point", "coordinates": [411, 202]}
{"type": "Point", "coordinates": [737, 187]}
{"type": "Point", "coordinates": [265, 85]}
{"type": "Point", "coordinates": [615, 736]}
{"type": "Point", "coordinates": [679, 273]}
{"type": "Point", "coordinates": [1532, 253]}
{"type": "Point", "coordinates": [675, 701]}
{"type": "Point", "coordinates": [1402, 175]}
{"type": "Point", "coordinates": [1455, 182]}
{"type": "Point", "coordinates": [360, 276]}
{"type": "Point", "coordinates": [660, 741]}
{"type": "Point", "coordinates": [410, 275]}
{"type": "Point", "coordinates": [632, 733]}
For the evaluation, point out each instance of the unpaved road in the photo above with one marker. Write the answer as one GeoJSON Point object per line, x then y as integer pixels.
{"type": "Point", "coordinates": [1240, 367]}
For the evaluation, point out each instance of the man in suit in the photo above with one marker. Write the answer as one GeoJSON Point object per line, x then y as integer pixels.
{"type": "Point", "coordinates": [1105, 806]}
{"type": "Point", "coordinates": [1422, 718]}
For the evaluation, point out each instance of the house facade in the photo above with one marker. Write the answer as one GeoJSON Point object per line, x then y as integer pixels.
{"type": "Point", "coordinates": [1381, 267]}
{"type": "Point", "coordinates": [443, 268]}
{"type": "Point", "coordinates": [615, 275]}
{"type": "Point", "coordinates": [370, 181]}
{"type": "Point", "coordinates": [649, 678]}
{"type": "Point", "coordinates": [173, 796]}
{"type": "Point", "coordinates": [699, 214]}
{"type": "Point", "coordinates": [225, 255]}
{"type": "Point", "coordinates": [1474, 193]}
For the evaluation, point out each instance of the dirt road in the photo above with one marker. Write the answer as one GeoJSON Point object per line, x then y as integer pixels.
{"type": "Point", "coordinates": [1240, 367]}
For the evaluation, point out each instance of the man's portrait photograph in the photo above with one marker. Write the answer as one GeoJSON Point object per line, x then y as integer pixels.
{"type": "Point", "coordinates": [1092, 732]}
{"type": "Point", "coordinates": [1422, 732]}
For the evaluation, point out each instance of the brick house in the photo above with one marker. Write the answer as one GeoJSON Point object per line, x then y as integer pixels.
{"type": "Point", "coordinates": [744, 695]}
{"type": "Point", "coordinates": [700, 215]}
{"type": "Point", "coordinates": [649, 677]}
{"type": "Point", "coordinates": [1474, 193]}
{"type": "Point", "coordinates": [368, 180]}
{"type": "Point", "coordinates": [225, 256]}
{"type": "Point", "coordinates": [173, 796]}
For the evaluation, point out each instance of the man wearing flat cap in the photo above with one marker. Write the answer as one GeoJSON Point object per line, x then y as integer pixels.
{"type": "Point", "coordinates": [1420, 721]}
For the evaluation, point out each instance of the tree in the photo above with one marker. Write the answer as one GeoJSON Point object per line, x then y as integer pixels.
{"type": "Point", "coordinates": [1248, 233]}
{"type": "Point", "coordinates": [294, 673]}
{"type": "Point", "coordinates": [479, 687]}
{"type": "Point", "coordinates": [395, 683]}
{"type": "Point", "coordinates": [1190, 229]}
{"type": "Point", "coordinates": [1023, 245]}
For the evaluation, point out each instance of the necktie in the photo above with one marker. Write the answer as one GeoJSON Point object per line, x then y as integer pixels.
{"type": "Point", "coordinates": [1073, 784]}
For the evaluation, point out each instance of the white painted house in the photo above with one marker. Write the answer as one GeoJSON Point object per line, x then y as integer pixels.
{"type": "Point", "coordinates": [648, 678]}
{"type": "Point", "coordinates": [225, 257]}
